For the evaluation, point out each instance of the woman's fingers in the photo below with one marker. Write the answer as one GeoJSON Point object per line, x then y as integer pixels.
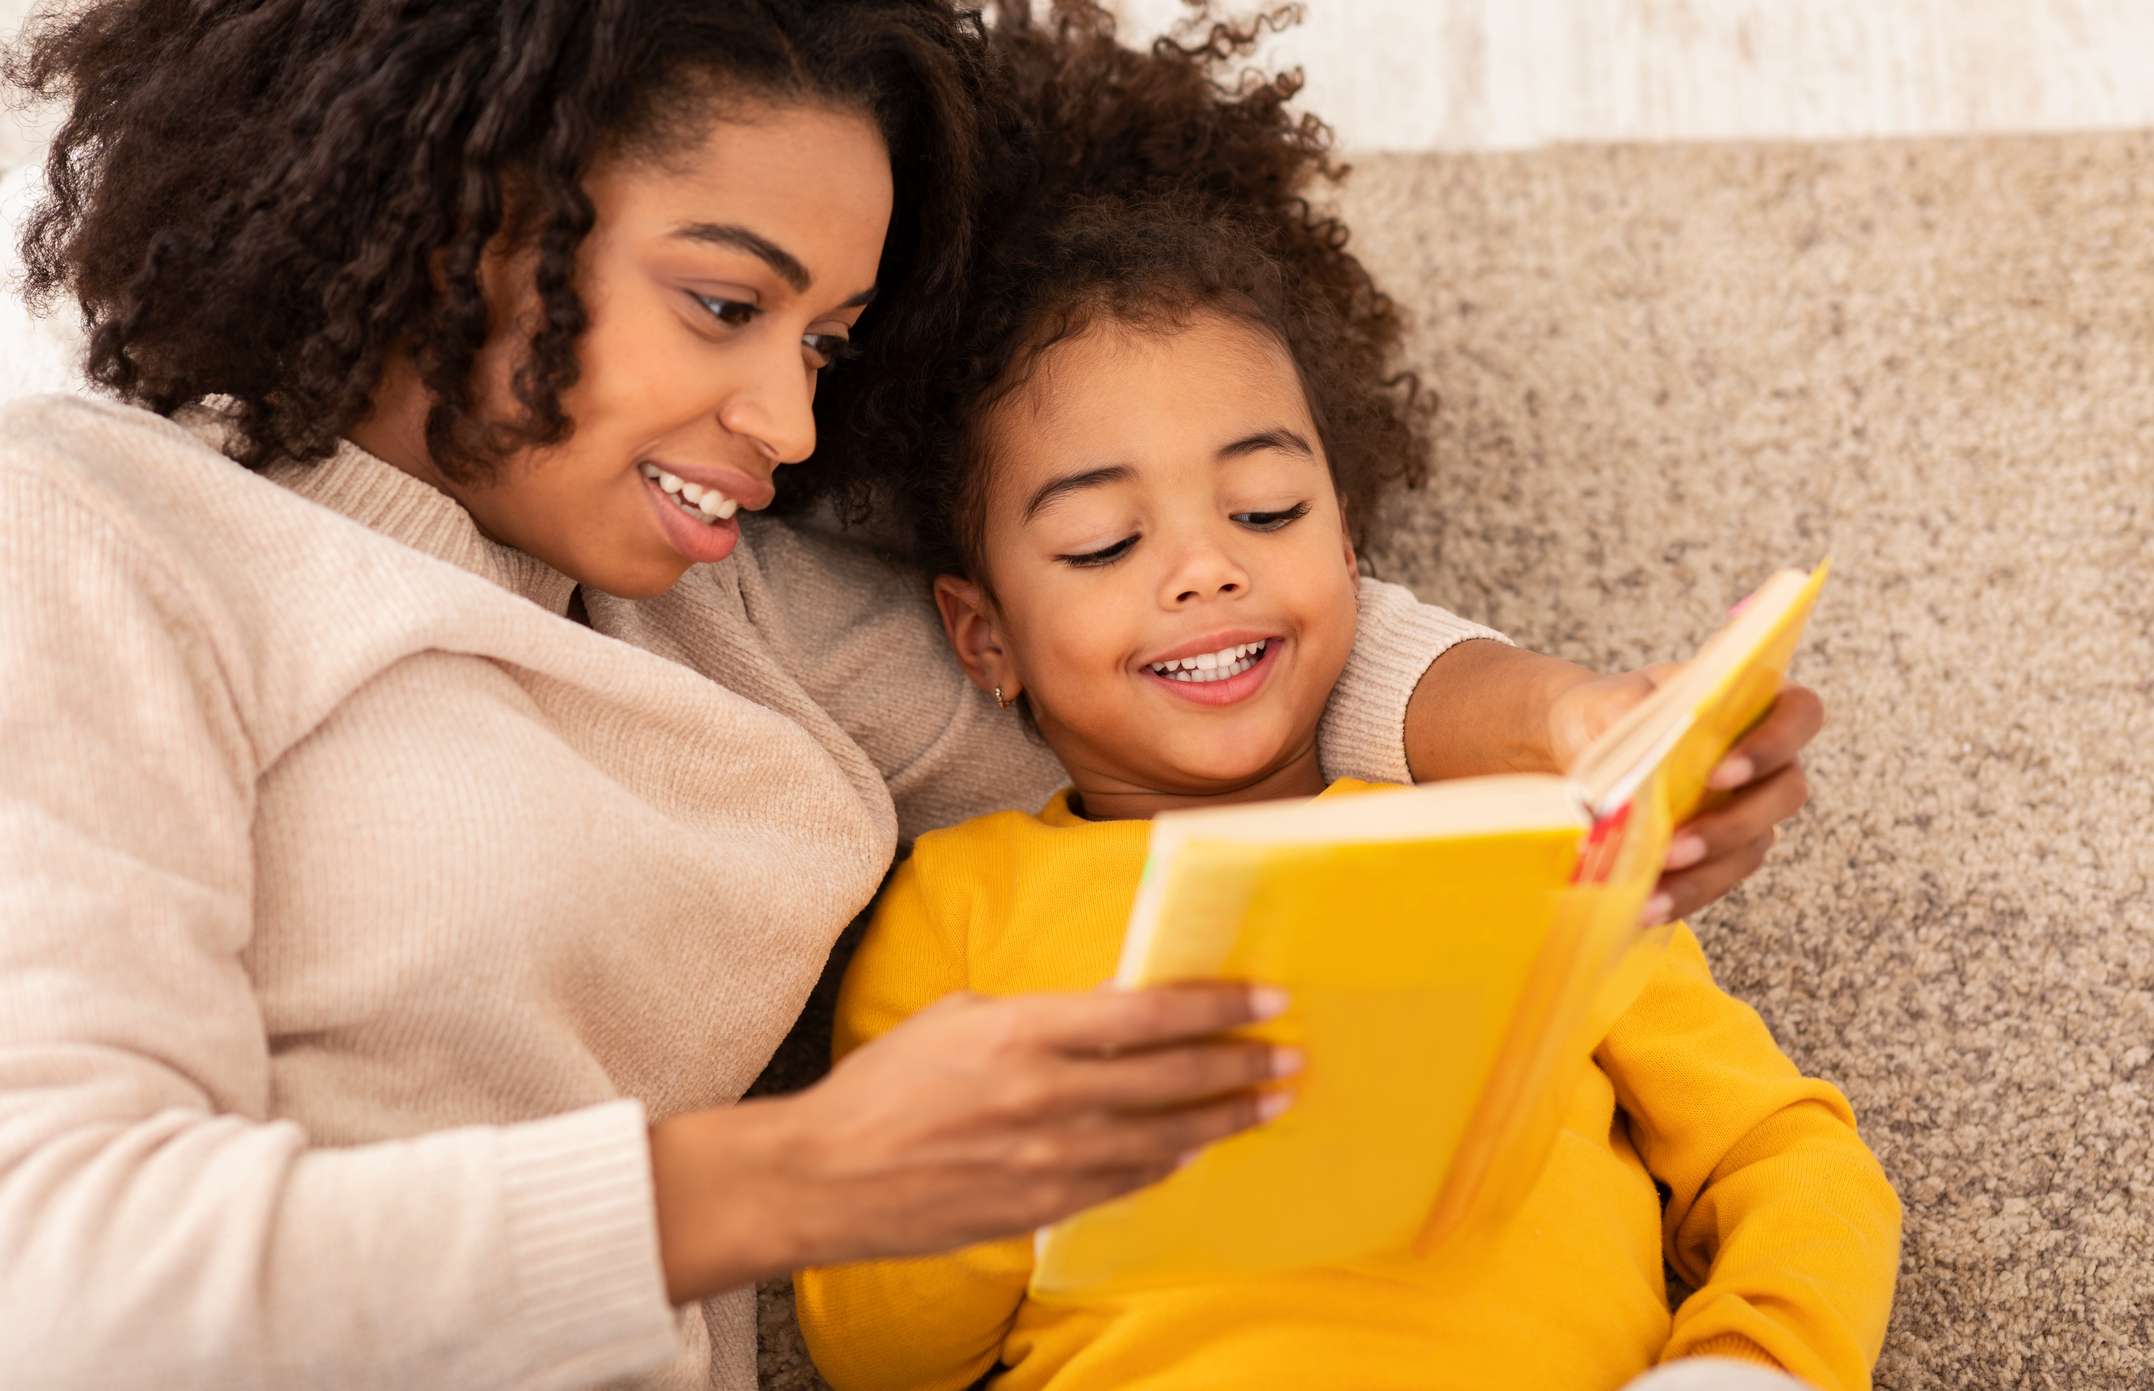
{"type": "Point", "coordinates": [1681, 894]}
{"type": "Point", "coordinates": [1712, 853]}
{"type": "Point", "coordinates": [1796, 717]}
{"type": "Point", "coordinates": [1174, 1075]}
{"type": "Point", "coordinates": [1716, 851]}
{"type": "Point", "coordinates": [1107, 1022]}
{"type": "Point", "coordinates": [1149, 1141]}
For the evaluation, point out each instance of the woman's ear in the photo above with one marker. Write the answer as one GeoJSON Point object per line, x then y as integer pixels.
{"type": "Point", "coordinates": [968, 617]}
{"type": "Point", "coordinates": [1346, 539]}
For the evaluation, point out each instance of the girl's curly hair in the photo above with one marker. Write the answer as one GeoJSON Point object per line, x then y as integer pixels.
{"type": "Point", "coordinates": [1154, 185]}
{"type": "Point", "coordinates": [262, 199]}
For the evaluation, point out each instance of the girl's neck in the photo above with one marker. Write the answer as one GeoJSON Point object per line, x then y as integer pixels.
{"type": "Point", "coordinates": [1103, 795]}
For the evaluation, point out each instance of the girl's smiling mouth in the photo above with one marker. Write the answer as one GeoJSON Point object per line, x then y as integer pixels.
{"type": "Point", "coordinates": [1232, 673]}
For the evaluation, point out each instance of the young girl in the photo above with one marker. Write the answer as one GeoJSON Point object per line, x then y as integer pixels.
{"type": "Point", "coordinates": [1160, 442]}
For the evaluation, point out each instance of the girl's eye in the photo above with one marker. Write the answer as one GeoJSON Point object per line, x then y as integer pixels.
{"type": "Point", "coordinates": [1107, 556]}
{"type": "Point", "coordinates": [828, 349]}
{"type": "Point", "coordinates": [732, 313]}
{"type": "Point", "coordinates": [1271, 521]}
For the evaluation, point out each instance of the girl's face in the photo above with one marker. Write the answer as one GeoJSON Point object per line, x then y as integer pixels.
{"type": "Point", "coordinates": [1168, 571]}
{"type": "Point", "coordinates": [718, 282]}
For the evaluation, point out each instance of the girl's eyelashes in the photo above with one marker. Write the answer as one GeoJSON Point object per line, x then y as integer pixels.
{"type": "Point", "coordinates": [1271, 521]}
{"type": "Point", "coordinates": [1105, 556]}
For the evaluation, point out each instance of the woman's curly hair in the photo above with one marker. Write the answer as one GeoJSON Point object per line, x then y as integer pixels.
{"type": "Point", "coordinates": [1154, 185]}
{"type": "Point", "coordinates": [260, 200]}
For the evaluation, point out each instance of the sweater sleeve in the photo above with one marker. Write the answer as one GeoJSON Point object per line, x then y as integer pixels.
{"type": "Point", "coordinates": [1363, 734]}
{"type": "Point", "coordinates": [933, 1323]}
{"type": "Point", "coordinates": [157, 1225]}
{"type": "Point", "coordinates": [861, 635]}
{"type": "Point", "coordinates": [1778, 1215]}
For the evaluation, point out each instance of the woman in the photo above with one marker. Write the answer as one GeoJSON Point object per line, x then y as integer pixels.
{"type": "Point", "coordinates": [414, 841]}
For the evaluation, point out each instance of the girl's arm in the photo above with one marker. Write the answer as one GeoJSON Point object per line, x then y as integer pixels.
{"type": "Point", "coordinates": [1778, 1215]}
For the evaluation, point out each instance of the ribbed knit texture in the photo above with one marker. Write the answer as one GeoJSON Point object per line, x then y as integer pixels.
{"type": "Point", "coordinates": [1774, 1209]}
{"type": "Point", "coordinates": [1363, 734]}
{"type": "Point", "coordinates": [358, 911]}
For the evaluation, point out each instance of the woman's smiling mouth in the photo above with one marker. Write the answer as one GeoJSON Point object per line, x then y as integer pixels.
{"type": "Point", "coordinates": [706, 505]}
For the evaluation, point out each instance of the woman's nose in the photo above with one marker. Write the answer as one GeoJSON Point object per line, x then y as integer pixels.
{"type": "Point", "coordinates": [775, 407]}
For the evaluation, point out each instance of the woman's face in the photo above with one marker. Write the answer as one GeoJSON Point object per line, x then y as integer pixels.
{"type": "Point", "coordinates": [718, 282]}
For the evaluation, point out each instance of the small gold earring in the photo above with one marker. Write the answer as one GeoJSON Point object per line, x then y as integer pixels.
{"type": "Point", "coordinates": [1005, 704]}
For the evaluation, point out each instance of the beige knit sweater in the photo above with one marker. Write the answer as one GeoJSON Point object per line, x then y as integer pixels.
{"type": "Point", "coordinates": [358, 910]}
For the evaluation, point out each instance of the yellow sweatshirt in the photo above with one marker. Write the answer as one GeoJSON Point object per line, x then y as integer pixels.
{"type": "Point", "coordinates": [1694, 1140]}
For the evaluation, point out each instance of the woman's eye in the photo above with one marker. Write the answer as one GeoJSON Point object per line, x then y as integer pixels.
{"type": "Point", "coordinates": [1107, 556]}
{"type": "Point", "coordinates": [828, 349]}
{"type": "Point", "coordinates": [733, 313]}
{"type": "Point", "coordinates": [1271, 521]}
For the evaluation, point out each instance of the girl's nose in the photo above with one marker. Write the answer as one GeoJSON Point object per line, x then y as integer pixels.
{"type": "Point", "coordinates": [1205, 572]}
{"type": "Point", "coordinates": [775, 407]}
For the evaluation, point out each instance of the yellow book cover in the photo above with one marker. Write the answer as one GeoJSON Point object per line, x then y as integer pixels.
{"type": "Point", "coordinates": [1454, 952]}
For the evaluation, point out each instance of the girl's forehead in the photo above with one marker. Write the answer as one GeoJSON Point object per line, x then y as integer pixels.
{"type": "Point", "coordinates": [1122, 405]}
{"type": "Point", "coordinates": [1152, 375]}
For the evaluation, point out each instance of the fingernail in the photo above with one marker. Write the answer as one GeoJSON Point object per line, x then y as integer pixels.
{"type": "Point", "coordinates": [1658, 909]}
{"type": "Point", "coordinates": [1267, 1001]}
{"type": "Point", "coordinates": [1271, 1104]}
{"type": "Point", "coordinates": [1285, 1062]}
{"type": "Point", "coordinates": [1732, 773]}
{"type": "Point", "coordinates": [1685, 852]}
{"type": "Point", "coordinates": [1188, 1158]}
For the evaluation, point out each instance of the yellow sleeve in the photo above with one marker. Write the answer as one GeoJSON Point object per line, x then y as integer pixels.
{"type": "Point", "coordinates": [933, 1323]}
{"type": "Point", "coordinates": [1779, 1216]}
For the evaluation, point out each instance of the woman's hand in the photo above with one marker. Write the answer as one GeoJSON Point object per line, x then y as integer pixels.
{"type": "Point", "coordinates": [1484, 707]}
{"type": "Point", "coordinates": [975, 1118]}
{"type": "Point", "coordinates": [1718, 849]}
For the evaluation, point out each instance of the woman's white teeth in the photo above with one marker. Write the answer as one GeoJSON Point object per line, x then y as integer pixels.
{"type": "Point", "coordinates": [1212, 666]}
{"type": "Point", "coordinates": [704, 504]}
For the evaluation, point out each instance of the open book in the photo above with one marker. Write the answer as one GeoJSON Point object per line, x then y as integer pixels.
{"type": "Point", "coordinates": [1454, 951]}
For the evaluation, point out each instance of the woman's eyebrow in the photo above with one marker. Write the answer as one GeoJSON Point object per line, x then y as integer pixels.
{"type": "Point", "coordinates": [1077, 483]}
{"type": "Point", "coordinates": [1268, 439]}
{"type": "Point", "coordinates": [725, 234]}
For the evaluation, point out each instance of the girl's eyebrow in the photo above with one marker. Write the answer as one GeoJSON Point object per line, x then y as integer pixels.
{"type": "Point", "coordinates": [1268, 439]}
{"type": "Point", "coordinates": [1076, 483]}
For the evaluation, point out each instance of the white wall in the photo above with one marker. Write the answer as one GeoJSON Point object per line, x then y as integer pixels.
{"type": "Point", "coordinates": [22, 131]}
{"type": "Point", "coordinates": [1509, 74]}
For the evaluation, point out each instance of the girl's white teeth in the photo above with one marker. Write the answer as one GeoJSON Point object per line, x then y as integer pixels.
{"type": "Point", "coordinates": [1212, 666]}
{"type": "Point", "coordinates": [704, 504]}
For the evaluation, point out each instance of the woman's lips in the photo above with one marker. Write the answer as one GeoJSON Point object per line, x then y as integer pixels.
{"type": "Point", "coordinates": [1224, 690]}
{"type": "Point", "coordinates": [699, 542]}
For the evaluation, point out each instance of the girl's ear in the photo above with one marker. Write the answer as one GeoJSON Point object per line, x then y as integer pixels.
{"type": "Point", "coordinates": [1346, 539]}
{"type": "Point", "coordinates": [968, 617]}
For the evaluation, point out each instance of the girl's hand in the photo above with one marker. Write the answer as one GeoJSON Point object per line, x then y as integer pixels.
{"type": "Point", "coordinates": [976, 1118]}
{"type": "Point", "coordinates": [1717, 849]}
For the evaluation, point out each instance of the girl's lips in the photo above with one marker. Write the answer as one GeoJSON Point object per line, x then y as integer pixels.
{"type": "Point", "coordinates": [701, 543]}
{"type": "Point", "coordinates": [1228, 691]}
